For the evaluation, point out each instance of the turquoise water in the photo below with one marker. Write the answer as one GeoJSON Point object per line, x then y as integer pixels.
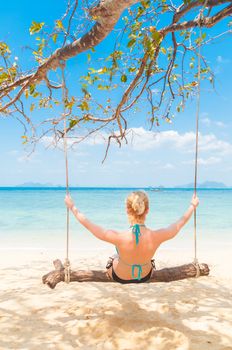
{"type": "Point", "coordinates": [33, 217]}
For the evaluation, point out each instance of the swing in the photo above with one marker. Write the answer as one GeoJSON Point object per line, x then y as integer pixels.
{"type": "Point", "coordinates": [64, 272]}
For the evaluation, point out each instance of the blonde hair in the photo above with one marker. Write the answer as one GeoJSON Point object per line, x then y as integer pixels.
{"type": "Point", "coordinates": [137, 204]}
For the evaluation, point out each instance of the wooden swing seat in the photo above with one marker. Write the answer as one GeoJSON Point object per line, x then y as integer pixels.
{"type": "Point", "coordinates": [168, 274]}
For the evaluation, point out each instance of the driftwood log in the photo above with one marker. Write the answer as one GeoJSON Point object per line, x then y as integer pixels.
{"type": "Point", "coordinates": [163, 275]}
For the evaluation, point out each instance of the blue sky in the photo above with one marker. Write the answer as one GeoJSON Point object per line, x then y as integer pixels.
{"type": "Point", "coordinates": [163, 156]}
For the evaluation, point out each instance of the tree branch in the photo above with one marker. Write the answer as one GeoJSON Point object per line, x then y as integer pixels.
{"type": "Point", "coordinates": [207, 22]}
{"type": "Point", "coordinates": [107, 13]}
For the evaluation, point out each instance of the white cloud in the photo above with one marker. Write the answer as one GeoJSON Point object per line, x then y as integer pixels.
{"type": "Point", "coordinates": [211, 143]}
{"type": "Point", "coordinates": [209, 122]}
{"type": "Point", "coordinates": [204, 161]}
{"type": "Point", "coordinates": [122, 162]}
{"type": "Point", "coordinates": [209, 161]}
{"type": "Point", "coordinates": [143, 140]}
{"type": "Point", "coordinates": [222, 60]}
{"type": "Point", "coordinates": [221, 63]}
{"type": "Point", "coordinates": [140, 139]}
{"type": "Point", "coordinates": [206, 121]}
{"type": "Point", "coordinates": [220, 124]}
{"type": "Point", "coordinates": [13, 152]}
{"type": "Point", "coordinates": [168, 166]}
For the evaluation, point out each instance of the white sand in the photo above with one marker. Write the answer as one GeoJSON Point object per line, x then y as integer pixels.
{"type": "Point", "coordinates": [193, 314]}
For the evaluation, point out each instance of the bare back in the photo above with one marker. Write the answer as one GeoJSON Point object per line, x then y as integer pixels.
{"type": "Point", "coordinates": [130, 253]}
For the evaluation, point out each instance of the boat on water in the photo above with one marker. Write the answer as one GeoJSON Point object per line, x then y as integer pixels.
{"type": "Point", "coordinates": [156, 189]}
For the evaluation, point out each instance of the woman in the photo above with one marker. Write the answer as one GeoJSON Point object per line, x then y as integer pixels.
{"type": "Point", "coordinates": [137, 245]}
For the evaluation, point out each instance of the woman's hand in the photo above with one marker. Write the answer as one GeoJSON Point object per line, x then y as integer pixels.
{"type": "Point", "coordinates": [69, 202]}
{"type": "Point", "coordinates": [195, 201]}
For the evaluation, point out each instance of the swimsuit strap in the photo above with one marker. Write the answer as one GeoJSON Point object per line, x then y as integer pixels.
{"type": "Point", "coordinates": [136, 232]}
{"type": "Point", "coordinates": [139, 267]}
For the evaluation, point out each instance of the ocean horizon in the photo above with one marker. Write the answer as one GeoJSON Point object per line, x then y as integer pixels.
{"type": "Point", "coordinates": [158, 188]}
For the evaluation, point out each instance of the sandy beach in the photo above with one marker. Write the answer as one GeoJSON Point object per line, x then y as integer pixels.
{"type": "Point", "coordinates": [191, 314]}
{"type": "Point", "coordinates": [116, 137]}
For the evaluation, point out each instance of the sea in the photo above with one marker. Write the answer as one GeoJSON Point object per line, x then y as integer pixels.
{"type": "Point", "coordinates": [35, 218]}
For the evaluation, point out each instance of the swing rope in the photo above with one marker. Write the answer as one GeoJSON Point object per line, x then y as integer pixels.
{"type": "Point", "coordinates": [67, 266]}
{"type": "Point", "coordinates": [198, 100]}
{"type": "Point", "coordinates": [195, 261]}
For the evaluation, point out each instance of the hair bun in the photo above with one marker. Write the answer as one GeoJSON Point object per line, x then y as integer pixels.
{"type": "Point", "coordinates": [138, 205]}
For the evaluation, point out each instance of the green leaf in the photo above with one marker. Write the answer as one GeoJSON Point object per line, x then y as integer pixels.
{"type": "Point", "coordinates": [54, 37]}
{"type": "Point", "coordinates": [163, 50]}
{"type": "Point", "coordinates": [26, 93]}
{"type": "Point", "coordinates": [72, 123]}
{"type": "Point", "coordinates": [84, 106]}
{"type": "Point", "coordinates": [168, 120]}
{"type": "Point", "coordinates": [131, 42]}
{"type": "Point", "coordinates": [124, 78]}
{"type": "Point", "coordinates": [70, 103]}
{"type": "Point", "coordinates": [31, 89]}
{"type": "Point", "coordinates": [165, 8]}
{"type": "Point", "coordinates": [36, 94]}
{"type": "Point", "coordinates": [156, 36]}
{"type": "Point", "coordinates": [145, 4]}
{"type": "Point", "coordinates": [86, 93]}
{"type": "Point", "coordinates": [4, 48]}
{"type": "Point", "coordinates": [140, 11]}
{"type": "Point", "coordinates": [36, 27]}
{"type": "Point", "coordinates": [32, 107]}
{"type": "Point", "coordinates": [3, 77]}
{"type": "Point", "coordinates": [59, 24]}
{"type": "Point", "coordinates": [103, 87]}
{"type": "Point", "coordinates": [203, 36]}
{"type": "Point", "coordinates": [132, 69]}
{"type": "Point", "coordinates": [25, 139]}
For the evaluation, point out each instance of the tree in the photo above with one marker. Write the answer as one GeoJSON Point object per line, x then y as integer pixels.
{"type": "Point", "coordinates": [153, 58]}
{"type": "Point", "coordinates": [176, 273]}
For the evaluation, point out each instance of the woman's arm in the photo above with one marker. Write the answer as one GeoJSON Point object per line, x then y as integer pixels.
{"type": "Point", "coordinates": [99, 232]}
{"type": "Point", "coordinates": [172, 230]}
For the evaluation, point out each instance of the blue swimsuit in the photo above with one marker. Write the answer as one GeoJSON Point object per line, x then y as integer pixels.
{"type": "Point", "coordinates": [136, 269]}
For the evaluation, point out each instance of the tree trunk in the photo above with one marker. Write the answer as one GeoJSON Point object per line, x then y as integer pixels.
{"type": "Point", "coordinates": [163, 275]}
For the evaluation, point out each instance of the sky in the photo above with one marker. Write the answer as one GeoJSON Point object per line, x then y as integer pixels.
{"type": "Point", "coordinates": [164, 156]}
